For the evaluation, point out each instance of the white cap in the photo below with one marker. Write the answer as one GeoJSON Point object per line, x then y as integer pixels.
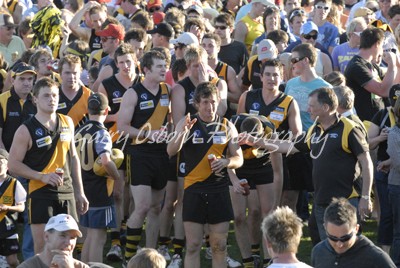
{"type": "Point", "coordinates": [266, 50]}
{"type": "Point", "coordinates": [308, 27]}
{"type": "Point", "coordinates": [185, 38]}
{"type": "Point", "coordinates": [264, 2]}
{"type": "Point", "coordinates": [62, 223]}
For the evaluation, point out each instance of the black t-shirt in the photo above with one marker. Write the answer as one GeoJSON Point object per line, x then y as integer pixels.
{"type": "Point", "coordinates": [358, 73]}
{"type": "Point", "coordinates": [234, 54]}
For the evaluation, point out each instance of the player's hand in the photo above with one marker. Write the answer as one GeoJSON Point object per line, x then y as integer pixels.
{"type": "Point", "coordinates": [219, 164]}
{"type": "Point", "coordinates": [237, 187]}
{"type": "Point", "coordinates": [188, 124]}
{"type": "Point", "coordinates": [82, 204]}
{"type": "Point", "coordinates": [3, 207]}
{"type": "Point", "coordinates": [52, 179]}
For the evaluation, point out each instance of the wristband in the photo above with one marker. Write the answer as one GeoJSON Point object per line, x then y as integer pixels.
{"type": "Point", "coordinates": [366, 197]}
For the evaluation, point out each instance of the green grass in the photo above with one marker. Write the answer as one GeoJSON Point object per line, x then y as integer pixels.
{"type": "Point", "coordinates": [304, 253]}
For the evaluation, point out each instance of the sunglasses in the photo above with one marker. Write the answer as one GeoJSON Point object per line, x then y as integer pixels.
{"type": "Point", "coordinates": [297, 13]}
{"type": "Point", "coordinates": [309, 36]}
{"type": "Point", "coordinates": [179, 46]}
{"type": "Point", "coordinates": [105, 39]}
{"type": "Point", "coordinates": [221, 27]}
{"type": "Point", "coordinates": [342, 239]}
{"type": "Point", "coordinates": [322, 7]}
{"type": "Point", "coordinates": [296, 60]}
{"type": "Point", "coordinates": [153, 9]}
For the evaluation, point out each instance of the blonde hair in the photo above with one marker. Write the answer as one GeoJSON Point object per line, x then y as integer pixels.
{"type": "Point", "coordinates": [194, 53]}
{"type": "Point", "coordinates": [147, 258]}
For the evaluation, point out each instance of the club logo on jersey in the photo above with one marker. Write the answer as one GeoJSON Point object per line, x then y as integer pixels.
{"type": "Point", "coordinates": [197, 137]}
{"type": "Point", "coordinates": [117, 94]}
{"type": "Point", "coordinates": [255, 106]}
{"type": "Point", "coordinates": [182, 168]}
{"type": "Point", "coordinates": [333, 135]}
{"type": "Point", "coordinates": [39, 132]}
{"type": "Point", "coordinates": [143, 96]}
{"type": "Point", "coordinates": [191, 97]}
{"type": "Point", "coordinates": [146, 105]}
{"type": "Point", "coordinates": [62, 106]}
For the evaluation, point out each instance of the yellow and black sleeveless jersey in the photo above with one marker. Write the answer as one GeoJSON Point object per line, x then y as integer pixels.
{"type": "Point", "coordinates": [189, 88]}
{"type": "Point", "coordinates": [50, 150]}
{"type": "Point", "coordinates": [13, 112]}
{"type": "Point", "coordinates": [115, 91]}
{"type": "Point", "coordinates": [151, 112]}
{"type": "Point", "coordinates": [276, 111]}
{"type": "Point", "coordinates": [252, 75]}
{"type": "Point", "coordinates": [204, 139]}
{"type": "Point", "coordinates": [77, 108]}
{"type": "Point", "coordinates": [91, 140]}
{"type": "Point", "coordinates": [8, 219]}
{"type": "Point", "coordinates": [95, 42]}
{"type": "Point", "coordinates": [334, 152]}
{"type": "Point", "coordinates": [256, 161]}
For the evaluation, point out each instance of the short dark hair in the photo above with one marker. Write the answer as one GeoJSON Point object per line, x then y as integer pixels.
{"type": "Point", "coordinates": [69, 59]}
{"type": "Point", "coordinates": [345, 97]}
{"type": "Point", "coordinates": [124, 49]}
{"type": "Point", "coordinates": [135, 34]}
{"type": "Point", "coordinates": [214, 37]}
{"type": "Point", "coordinates": [278, 36]}
{"type": "Point", "coordinates": [205, 90]}
{"type": "Point", "coordinates": [253, 125]}
{"type": "Point", "coordinates": [326, 95]}
{"type": "Point", "coordinates": [340, 212]}
{"type": "Point", "coordinates": [335, 78]}
{"type": "Point", "coordinates": [308, 51]}
{"type": "Point", "coordinates": [149, 57]}
{"type": "Point", "coordinates": [371, 36]}
{"type": "Point", "coordinates": [226, 18]}
{"type": "Point", "coordinates": [194, 22]}
{"type": "Point", "coordinates": [42, 83]}
{"type": "Point", "coordinates": [272, 63]}
{"type": "Point", "coordinates": [178, 67]}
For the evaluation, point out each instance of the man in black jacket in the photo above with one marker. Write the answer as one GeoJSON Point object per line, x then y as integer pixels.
{"type": "Point", "coordinates": [343, 247]}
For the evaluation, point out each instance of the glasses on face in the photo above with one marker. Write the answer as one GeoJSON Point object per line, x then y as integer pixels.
{"type": "Point", "coordinates": [342, 239]}
{"type": "Point", "coordinates": [322, 7]}
{"type": "Point", "coordinates": [179, 46]}
{"type": "Point", "coordinates": [296, 60]}
{"type": "Point", "coordinates": [105, 39]}
{"type": "Point", "coordinates": [309, 36]}
{"type": "Point", "coordinates": [295, 13]}
{"type": "Point", "coordinates": [154, 9]}
{"type": "Point", "coordinates": [221, 27]}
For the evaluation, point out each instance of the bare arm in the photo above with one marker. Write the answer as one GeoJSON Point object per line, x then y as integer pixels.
{"type": "Point", "coordinates": [81, 32]}
{"type": "Point", "coordinates": [178, 104]}
{"type": "Point", "coordinates": [105, 72]}
{"type": "Point", "coordinates": [110, 117]}
{"type": "Point", "coordinates": [182, 129]}
{"type": "Point", "coordinates": [82, 204]}
{"type": "Point", "coordinates": [234, 90]}
{"type": "Point", "coordinates": [242, 104]}
{"type": "Point", "coordinates": [376, 136]}
{"type": "Point", "coordinates": [365, 205]}
{"type": "Point", "coordinates": [294, 119]}
{"type": "Point", "coordinates": [126, 111]}
{"type": "Point", "coordinates": [240, 32]}
{"type": "Point", "coordinates": [19, 207]}
{"type": "Point", "coordinates": [277, 167]}
{"type": "Point", "coordinates": [223, 94]}
{"type": "Point", "coordinates": [1, 140]}
{"type": "Point", "coordinates": [109, 166]}
{"type": "Point", "coordinates": [382, 88]}
{"type": "Point", "coordinates": [326, 63]}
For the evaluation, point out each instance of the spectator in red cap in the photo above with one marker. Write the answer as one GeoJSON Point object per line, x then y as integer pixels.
{"type": "Point", "coordinates": [158, 17]}
{"type": "Point", "coordinates": [111, 37]}
{"type": "Point", "coordinates": [153, 6]}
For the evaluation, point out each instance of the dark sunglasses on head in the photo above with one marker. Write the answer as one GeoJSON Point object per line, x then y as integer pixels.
{"type": "Point", "coordinates": [297, 13]}
{"type": "Point", "coordinates": [342, 239]}
{"type": "Point", "coordinates": [322, 7]}
{"type": "Point", "coordinates": [153, 9]}
{"type": "Point", "coordinates": [309, 36]}
{"type": "Point", "coordinates": [221, 27]}
{"type": "Point", "coordinates": [296, 60]}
